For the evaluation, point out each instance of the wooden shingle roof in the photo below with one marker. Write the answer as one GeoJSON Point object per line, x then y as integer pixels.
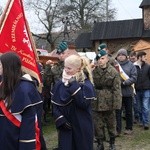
{"type": "Point", "coordinates": [117, 29]}
{"type": "Point", "coordinates": [83, 40]}
{"type": "Point", "coordinates": [145, 3]}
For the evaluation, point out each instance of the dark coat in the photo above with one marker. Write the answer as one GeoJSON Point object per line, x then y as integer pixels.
{"type": "Point", "coordinates": [143, 79]}
{"type": "Point", "coordinates": [26, 104]}
{"type": "Point", "coordinates": [130, 70]}
{"type": "Point", "coordinates": [72, 104]}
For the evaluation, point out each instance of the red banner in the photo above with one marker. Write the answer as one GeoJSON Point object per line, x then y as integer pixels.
{"type": "Point", "coordinates": [15, 36]}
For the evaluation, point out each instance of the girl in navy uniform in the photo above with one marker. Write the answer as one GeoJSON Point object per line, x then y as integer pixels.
{"type": "Point", "coordinates": [71, 100]}
{"type": "Point", "coordinates": [20, 107]}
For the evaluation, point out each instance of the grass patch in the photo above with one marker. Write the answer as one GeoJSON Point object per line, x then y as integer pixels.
{"type": "Point", "coordinates": [50, 133]}
{"type": "Point", "coordinates": [139, 140]}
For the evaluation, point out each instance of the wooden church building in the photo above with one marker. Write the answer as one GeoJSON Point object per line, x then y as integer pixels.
{"type": "Point", "coordinates": [118, 34]}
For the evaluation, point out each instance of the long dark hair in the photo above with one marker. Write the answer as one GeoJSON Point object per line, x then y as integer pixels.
{"type": "Point", "coordinates": [12, 73]}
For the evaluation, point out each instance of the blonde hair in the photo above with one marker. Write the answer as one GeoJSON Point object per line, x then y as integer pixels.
{"type": "Point", "coordinates": [83, 64]}
{"type": "Point", "coordinates": [74, 60]}
{"type": "Point", "coordinates": [87, 68]}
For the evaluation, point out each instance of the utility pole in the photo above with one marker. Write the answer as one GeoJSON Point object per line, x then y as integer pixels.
{"type": "Point", "coordinates": [107, 10]}
{"type": "Point", "coordinates": [1, 10]}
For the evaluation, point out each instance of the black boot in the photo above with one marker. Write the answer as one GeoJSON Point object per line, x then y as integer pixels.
{"type": "Point", "coordinates": [112, 144]}
{"type": "Point", "coordinates": [100, 145]}
{"type": "Point", "coordinates": [112, 147]}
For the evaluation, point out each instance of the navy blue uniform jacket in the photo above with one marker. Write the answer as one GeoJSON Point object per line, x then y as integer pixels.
{"type": "Point", "coordinates": [72, 104]}
{"type": "Point", "coordinates": [26, 103]}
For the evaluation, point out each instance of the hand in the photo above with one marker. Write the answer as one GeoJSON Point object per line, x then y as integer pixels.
{"type": "Point", "coordinates": [66, 126]}
{"type": "Point", "coordinates": [50, 62]}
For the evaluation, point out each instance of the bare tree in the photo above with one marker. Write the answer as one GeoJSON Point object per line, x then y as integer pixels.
{"type": "Point", "coordinates": [48, 14]}
{"type": "Point", "coordinates": [80, 14]}
{"type": "Point", "coordinates": [83, 13]}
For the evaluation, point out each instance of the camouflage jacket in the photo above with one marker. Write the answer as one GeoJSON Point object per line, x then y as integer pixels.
{"type": "Point", "coordinates": [57, 71]}
{"type": "Point", "coordinates": [48, 77]}
{"type": "Point", "coordinates": [108, 89]}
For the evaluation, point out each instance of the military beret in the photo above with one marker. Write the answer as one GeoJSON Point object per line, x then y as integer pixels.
{"type": "Point", "coordinates": [100, 54]}
{"type": "Point", "coordinates": [62, 47]}
{"type": "Point", "coordinates": [102, 46]}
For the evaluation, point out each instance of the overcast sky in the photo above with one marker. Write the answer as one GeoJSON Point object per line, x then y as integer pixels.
{"type": "Point", "coordinates": [126, 9]}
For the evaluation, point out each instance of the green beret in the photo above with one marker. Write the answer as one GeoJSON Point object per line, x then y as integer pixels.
{"type": "Point", "coordinates": [102, 46]}
{"type": "Point", "coordinates": [62, 47]}
{"type": "Point", "coordinates": [100, 54]}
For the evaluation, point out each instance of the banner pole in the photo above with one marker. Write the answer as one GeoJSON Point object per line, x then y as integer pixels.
{"type": "Point", "coordinates": [29, 33]}
{"type": "Point", "coordinates": [4, 14]}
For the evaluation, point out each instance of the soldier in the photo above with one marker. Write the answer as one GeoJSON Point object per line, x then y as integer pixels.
{"type": "Point", "coordinates": [48, 81]}
{"type": "Point", "coordinates": [104, 46]}
{"type": "Point", "coordinates": [108, 90]}
{"type": "Point", "coordinates": [63, 52]}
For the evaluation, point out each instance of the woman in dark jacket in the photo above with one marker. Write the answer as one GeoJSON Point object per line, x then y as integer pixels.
{"type": "Point", "coordinates": [20, 107]}
{"type": "Point", "coordinates": [71, 99]}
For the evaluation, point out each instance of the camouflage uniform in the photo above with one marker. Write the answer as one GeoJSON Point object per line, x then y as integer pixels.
{"type": "Point", "coordinates": [108, 89]}
{"type": "Point", "coordinates": [48, 81]}
{"type": "Point", "coordinates": [50, 76]}
{"type": "Point", "coordinates": [57, 70]}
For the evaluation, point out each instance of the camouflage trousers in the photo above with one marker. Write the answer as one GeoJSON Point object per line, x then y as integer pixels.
{"type": "Point", "coordinates": [102, 120]}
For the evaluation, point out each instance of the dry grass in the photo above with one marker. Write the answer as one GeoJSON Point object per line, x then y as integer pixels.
{"type": "Point", "coordinates": [139, 140]}
{"type": "Point", "coordinates": [50, 134]}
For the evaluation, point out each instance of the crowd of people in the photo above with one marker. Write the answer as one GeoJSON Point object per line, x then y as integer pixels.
{"type": "Point", "coordinates": [87, 100]}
